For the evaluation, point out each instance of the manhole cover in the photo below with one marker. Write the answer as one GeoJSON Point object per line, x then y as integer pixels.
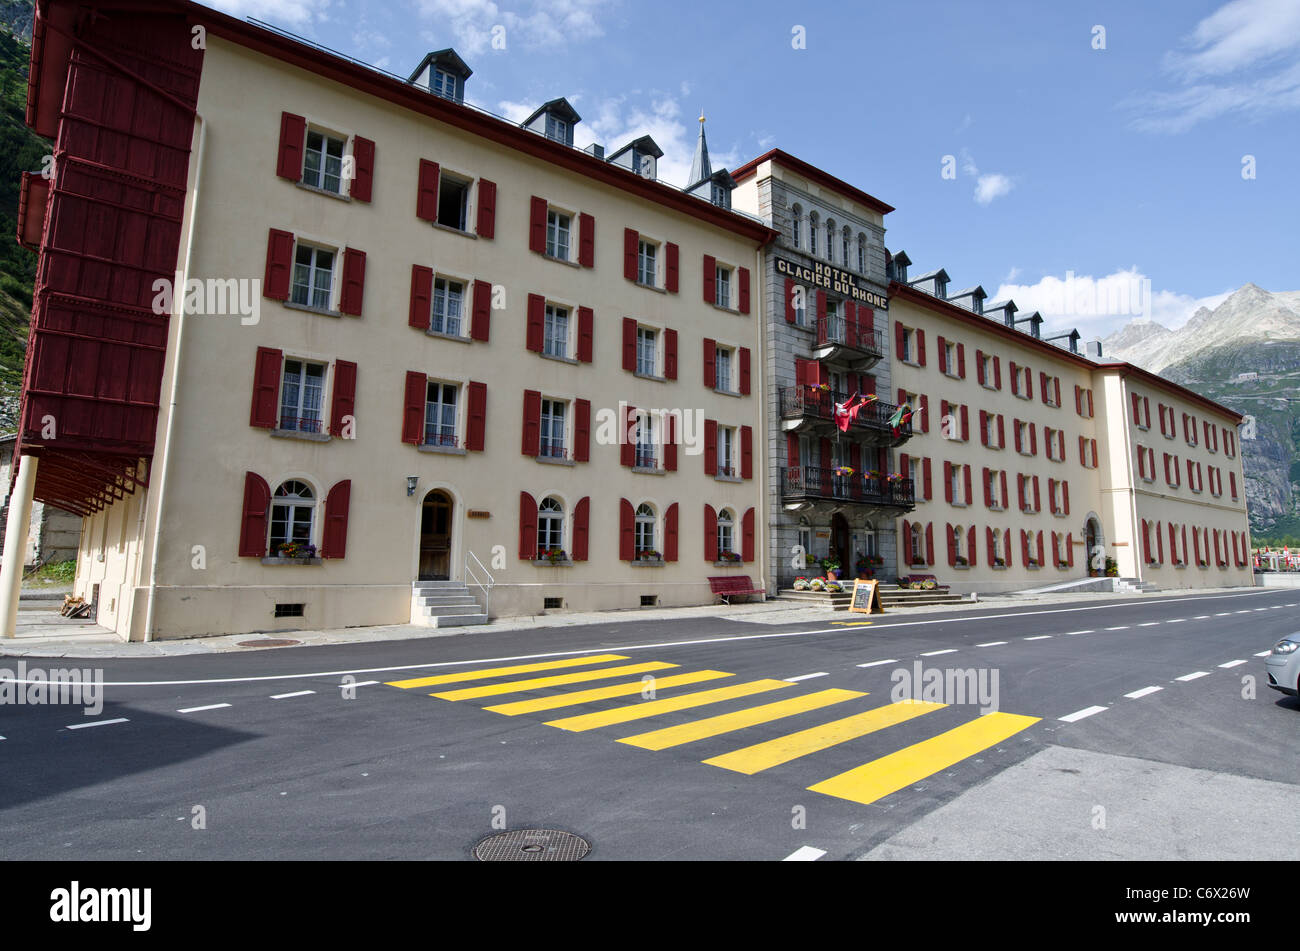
{"type": "Point", "coordinates": [532, 845]}
{"type": "Point", "coordinates": [269, 642]}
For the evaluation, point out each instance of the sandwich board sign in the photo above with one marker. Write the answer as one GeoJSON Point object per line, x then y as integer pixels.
{"type": "Point", "coordinates": [866, 598]}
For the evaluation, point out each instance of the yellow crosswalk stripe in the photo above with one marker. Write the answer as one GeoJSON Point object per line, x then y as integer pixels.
{"type": "Point", "coordinates": [727, 722]}
{"type": "Point", "coordinates": [603, 693]}
{"type": "Point", "coordinates": [652, 708]}
{"type": "Point", "coordinates": [761, 756]}
{"type": "Point", "coordinates": [880, 777]}
{"type": "Point", "coordinates": [559, 680]}
{"type": "Point", "coordinates": [503, 671]}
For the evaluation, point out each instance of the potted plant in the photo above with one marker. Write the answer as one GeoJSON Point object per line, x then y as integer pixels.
{"type": "Point", "coordinates": [1112, 568]}
{"type": "Point", "coordinates": [834, 586]}
{"type": "Point", "coordinates": [554, 555]}
{"type": "Point", "coordinates": [729, 556]}
{"type": "Point", "coordinates": [961, 561]}
{"type": "Point", "coordinates": [817, 584]}
{"type": "Point", "coordinates": [296, 551]}
{"type": "Point", "coordinates": [999, 563]}
{"type": "Point", "coordinates": [649, 554]}
{"type": "Point", "coordinates": [831, 565]}
{"type": "Point", "coordinates": [801, 583]}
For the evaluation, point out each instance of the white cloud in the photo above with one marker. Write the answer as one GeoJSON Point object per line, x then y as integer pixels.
{"type": "Point", "coordinates": [534, 23]}
{"type": "Point", "coordinates": [988, 186]}
{"type": "Point", "coordinates": [1243, 37]}
{"type": "Point", "coordinates": [1098, 306]}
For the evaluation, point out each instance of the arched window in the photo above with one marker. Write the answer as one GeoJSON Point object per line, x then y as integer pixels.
{"type": "Point", "coordinates": [813, 223]}
{"type": "Point", "coordinates": [918, 544]}
{"type": "Point", "coordinates": [862, 253]}
{"type": "Point", "coordinates": [796, 225]}
{"type": "Point", "coordinates": [958, 536]}
{"type": "Point", "coordinates": [997, 555]}
{"type": "Point", "coordinates": [726, 533]}
{"type": "Point", "coordinates": [645, 528]}
{"type": "Point", "coordinates": [292, 510]}
{"type": "Point", "coordinates": [830, 239]}
{"type": "Point", "coordinates": [846, 239]}
{"type": "Point", "coordinates": [550, 526]}
{"type": "Point", "coordinates": [869, 541]}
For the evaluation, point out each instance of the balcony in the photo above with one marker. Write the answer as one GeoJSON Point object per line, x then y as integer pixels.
{"type": "Point", "coordinates": [838, 341]}
{"type": "Point", "coordinates": [814, 484]}
{"type": "Point", "coordinates": [807, 408]}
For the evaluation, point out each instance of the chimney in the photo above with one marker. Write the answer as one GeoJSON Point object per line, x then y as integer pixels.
{"type": "Point", "coordinates": [597, 150]}
{"type": "Point", "coordinates": [1093, 349]}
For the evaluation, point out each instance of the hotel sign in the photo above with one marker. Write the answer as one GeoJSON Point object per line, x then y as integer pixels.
{"type": "Point", "coordinates": [832, 279]}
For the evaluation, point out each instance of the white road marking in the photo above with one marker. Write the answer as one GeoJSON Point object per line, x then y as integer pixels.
{"type": "Point", "coordinates": [1176, 620]}
{"type": "Point", "coordinates": [1080, 714]}
{"type": "Point", "coordinates": [879, 663]}
{"type": "Point", "coordinates": [947, 650]}
{"type": "Point", "coordinates": [1038, 637]}
{"type": "Point", "coordinates": [1149, 624]}
{"type": "Point", "coordinates": [805, 853]}
{"type": "Point", "coordinates": [1122, 627]}
{"type": "Point", "coordinates": [1070, 633]}
{"type": "Point", "coordinates": [1200, 617]}
{"type": "Point", "coordinates": [286, 696]}
{"type": "Point", "coordinates": [992, 644]}
{"type": "Point", "coordinates": [1143, 692]}
{"type": "Point", "coordinates": [1257, 609]}
{"type": "Point", "coordinates": [82, 726]}
{"type": "Point", "coordinates": [1223, 614]}
{"type": "Point", "coordinates": [1263, 653]}
{"type": "Point", "coordinates": [1234, 663]}
{"type": "Point", "coordinates": [1275, 607]}
{"type": "Point", "coordinates": [806, 676]}
{"type": "Point", "coordinates": [211, 706]}
{"type": "Point", "coordinates": [359, 683]}
{"type": "Point", "coordinates": [1195, 676]}
{"type": "Point", "coordinates": [1247, 611]}
{"type": "Point", "coordinates": [726, 639]}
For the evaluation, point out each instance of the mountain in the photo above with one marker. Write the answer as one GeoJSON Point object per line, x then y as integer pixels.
{"type": "Point", "coordinates": [1245, 354]}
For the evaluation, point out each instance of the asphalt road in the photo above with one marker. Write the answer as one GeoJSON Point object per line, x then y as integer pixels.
{"type": "Point", "coordinates": [312, 753]}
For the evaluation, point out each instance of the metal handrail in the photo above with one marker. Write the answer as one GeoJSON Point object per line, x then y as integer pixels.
{"type": "Point", "coordinates": [471, 577]}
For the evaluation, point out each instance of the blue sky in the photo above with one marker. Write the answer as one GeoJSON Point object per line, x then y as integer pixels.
{"type": "Point", "coordinates": [1114, 165]}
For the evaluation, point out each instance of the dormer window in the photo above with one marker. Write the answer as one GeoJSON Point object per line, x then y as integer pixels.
{"type": "Point", "coordinates": [557, 129]}
{"type": "Point", "coordinates": [443, 84]}
{"type": "Point", "coordinates": [721, 196]}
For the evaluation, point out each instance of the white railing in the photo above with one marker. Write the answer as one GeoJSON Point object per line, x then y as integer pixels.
{"type": "Point", "coordinates": [472, 577]}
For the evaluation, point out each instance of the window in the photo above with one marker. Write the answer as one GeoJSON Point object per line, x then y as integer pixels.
{"type": "Point", "coordinates": [796, 226]}
{"type": "Point", "coordinates": [999, 547]}
{"type": "Point", "coordinates": [830, 239]}
{"type": "Point", "coordinates": [646, 270]}
{"type": "Point", "coordinates": [453, 201]}
{"type": "Point", "coordinates": [813, 222]}
{"type": "Point", "coordinates": [645, 441]}
{"type": "Point", "coordinates": [645, 529]}
{"type": "Point", "coordinates": [313, 276]}
{"type": "Point", "coordinates": [726, 451]}
{"type": "Point", "coordinates": [722, 287]}
{"type": "Point", "coordinates": [556, 128]}
{"type": "Point", "coordinates": [1023, 438]}
{"type": "Point", "coordinates": [448, 297]}
{"type": "Point", "coordinates": [322, 165]}
{"type": "Point", "coordinates": [862, 254]}
{"type": "Point", "coordinates": [557, 234]}
{"type": "Point", "coordinates": [550, 526]}
{"type": "Point", "coordinates": [950, 359]}
{"type": "Point", "coordinates": [646, 352]}
{"type": "Point", "coordinates": [909, 346]}
{"type": "Point", "coordinates": [552, 430]}
{"type": "Point", "coordinates": [846, 240]}
{"type": "Point", "coordinates": [958, 485]}
{"type": "Point", "coordinates": [440, 414]}
{"type": "Point", "coordinates": [555, 340]}
{"type": "Point", "coordinates": [444, 84]}
{"type": "Point", "coordinates": [722, 364]}
{"type": "Point", "coordinates": [996, 500]}
{"type": "Point", "coordinates": [302, 388]}
{"type": "Point", "coordinates": [986, 372]}
{"type": "Point", "coordinates": [958, 538]}
{"type": "Point", "coordinates": [292, 508]}
{"type": "Point", "coordinates": [918, 544]}
{"type": "Point", "coordinates": [726, 533]}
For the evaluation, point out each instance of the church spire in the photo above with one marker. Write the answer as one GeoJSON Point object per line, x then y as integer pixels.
{"type": "Point", "coordinates": [700, 167]}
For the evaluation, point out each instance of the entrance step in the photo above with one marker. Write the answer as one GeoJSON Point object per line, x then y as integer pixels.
{"type": "Point", "coordinates": [444, 604]}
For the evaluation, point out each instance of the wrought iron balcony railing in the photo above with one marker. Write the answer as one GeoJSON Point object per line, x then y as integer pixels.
{"type": "Point", "coordinates": [817, 482]}
{"type": "Point", "coordinates": [837, 330]}
{"type": "Point", "coordinates": [803, 400]}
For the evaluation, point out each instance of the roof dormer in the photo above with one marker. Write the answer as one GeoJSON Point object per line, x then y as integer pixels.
{"type": "Point", "coordinates": [1003, 310]}
{"type": "Point", "coordinates": [641, 156]}
{"type": "Point", "coordinates": [1035, 321]}
{"type": "Point", "coordinates": [443, 73]}
{"type": "Point", "coordinates": [896, 266]}
{"type": "Point", "coordinates": [934, 283]}
{"type": "Point", "coordinates": [555, 120]}
{"type": "Point", "coordinates": [1069, 341]}
{"type": "Point", "coordinates": [971, 299]}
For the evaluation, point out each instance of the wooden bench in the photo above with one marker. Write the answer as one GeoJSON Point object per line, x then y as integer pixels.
{"type": "Point", "coordinates": [732, 586]}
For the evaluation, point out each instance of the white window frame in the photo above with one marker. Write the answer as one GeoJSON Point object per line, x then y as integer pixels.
{"type": "Point", "coordinates": [645, 522]}
{"type": "Point", "coordinates": [552, 315]}
{"type": "Point", "coordinates": [647, 252]}
{"type": "Point", "coordinates": [722, 379]}
{"type": "Point", "coordinates": [327, 136]}
{"type": "Point", "coordinates": [545, 526]}
{"type": "Point", "coordinates": [726, 532]}
{"type": "Point", "coordinates": [299, 406]}
{"type": "Point", "coordinates": [653, 335]}
{"type": "Point", "coordinates": [553, 431]}
{"type": "Point", "coordinates": [727, 467]}
{"type": "Point", "coordinates": [437, 420]}
{"type": "Point", "coordinates": [559, 224]}
{"type": "Point", "coordinates": [313, 271]}
{"type": "Point", "coordinates": [722, 284]}
{"type": "Point", "coordinates": [461, 323]}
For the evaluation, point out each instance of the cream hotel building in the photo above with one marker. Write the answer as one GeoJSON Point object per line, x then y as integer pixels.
{"type": "Point", "coordinates": [473, 370]}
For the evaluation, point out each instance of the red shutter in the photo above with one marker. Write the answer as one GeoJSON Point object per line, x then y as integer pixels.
{"type": "Point", "coordinates": [416, 394]}
{"type": "Point", "coordinates": [920, 347]}
{"type": "Point", "coordinates": [476, 415]}
{"type": "Point", "coordinates": [1040, 548]}
{"type": "Point", "coordinates": [961, 362]}
{"type": "Point", "coordinates": [997, 373]}
{"type": "Point", "coordinates": [987, 478]}
{"type": "Point", "coordinates": [925, 477]}
{"type": "Point", "coordinates": [947, 482]}
{"type": "Point", "coordinates": [670, 354]}
{"type": "Point", "coordinates": [426, 191]}
{"type": "Point", "coordinates": [744, 371]}
{"type": "Point", "coordinates": [746, 452]}
{"type": "Point", "coordinates": [344, 402]}
{"type": "Point", "coordinates": [744, 290]}
{"type": "Point", "coordinates": [1065, 497]}
{"type": "Point", "coordinates": [907, 542]}
{"type": "Point", "coordinates": [671, 269]}
{"type": "Point", "coordinates": [670, 533]}
{"type": "Point", "coordinates": [1015, 379]}
{"type": "Point", "coordinates": [965, 423]}
{"type": "Point", "coordinates": [1051, 495]}
{"type": "Point", "coordinates": [421, 297]}
{"type": "Point", "coordinates": [969, 497]}
{"type": "Point", "coordinates": [354, 282]}
{"type": "Point", "coordinates": [581, 528]}
{"type": "Point", "coordinates": [710, 363]}
{"type": "Point", "coordinates": [952, 544]}
{"type": "Point", "coordinates": [925, 413]}
{"type": "Point", "coordinates": [899, 331]}
{"type": "Point", "coordinates": [527, 527]}
{"type": "Point", "coordinates": [710, 533]}
{"type": "Point", "coordinates": [866, 324]}
{"type": "Point", "coordinates": [851, 323]}
{"type": "Point", "coordinates": [670, 444]}
{"type": "Point", "coordinates": [1024, 546]}
{"type": "Point", "coordinates": [486, 226]}
{"type": "Point", "coordinates": [536, 323]}
{"type": "Point", "coordinates": [629, 344]}
{"type": "Point", "coordinates": [627, 447]}
{"type": "Point", "coordinates": [1146, 542]}
{"type": "Point", "coordinates": [971, 546]}
{"type": "Point", "coordinates": [929, 543]}
{"type": "Point", "coordinates": [1038, 497]}
{"type": "Point", "coordinates": [790, 313]}
{"type": "Point", "coordinates": [293, 137]}
{"type": "Point", "coordinates": [481, 321]}
{"type": "Point", "coordinates": [532, 426]}
{"type": "Point", "coordinates": [631, 245]}
{"type": "Point", "coordinates": [581, 430]}
{"type": "Point", "coordinates": [1090, 403]}
{"type": "Point", "coordinates": [1002, 432]}
{"type": "Point", "coordinates": [363, 169]}
{"type": "Point", "coordinates": [1056, 387]}
{"type": "Point", "coordinates": [1003, 497]}
{"type": "Point", "coordinates": [266, 387]}
{"type": "Point", "coordinates": [537, 209]}
{"type": "Point", "coordinates": [1137, 410]}
{"type": "Point", "coordinates": [626, 530]}
{"type": "Point", "coordinates": [279, 265]}
{"type": "Point", "coordinates": [792, 450]}
{"type": "Point", "coordinates": [979, 378]}
{"type": "Point", "coordinates": [586, 329]}
{"type": "Point", "coordinates": [334, 537]}
{"type": "Point", "coordinates": [990, 546]}
{"type": "Point", "coordinates": [710, 278]}
{"type": "Point", "coordinates": [1078, 399]}
{"type": "Point", "coordinates": [941, 348]}
{"type": "Point", "coordinates": [1042, 385]}
{"type": "Point", "coordinates": [746, 535]}
{"type": "Point", "coordinates": [1015, 428]}
{"type": "Point", "coordinates": [1020, 491]}
{"type": "Point", "coordinates": [252, 525]}
{"type": "Point", "coordinates": [711, 447]}
{"type": "Point", "coordinates": [1033, 439]}
{"type": "Point", "coordinates": [586, 240]}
